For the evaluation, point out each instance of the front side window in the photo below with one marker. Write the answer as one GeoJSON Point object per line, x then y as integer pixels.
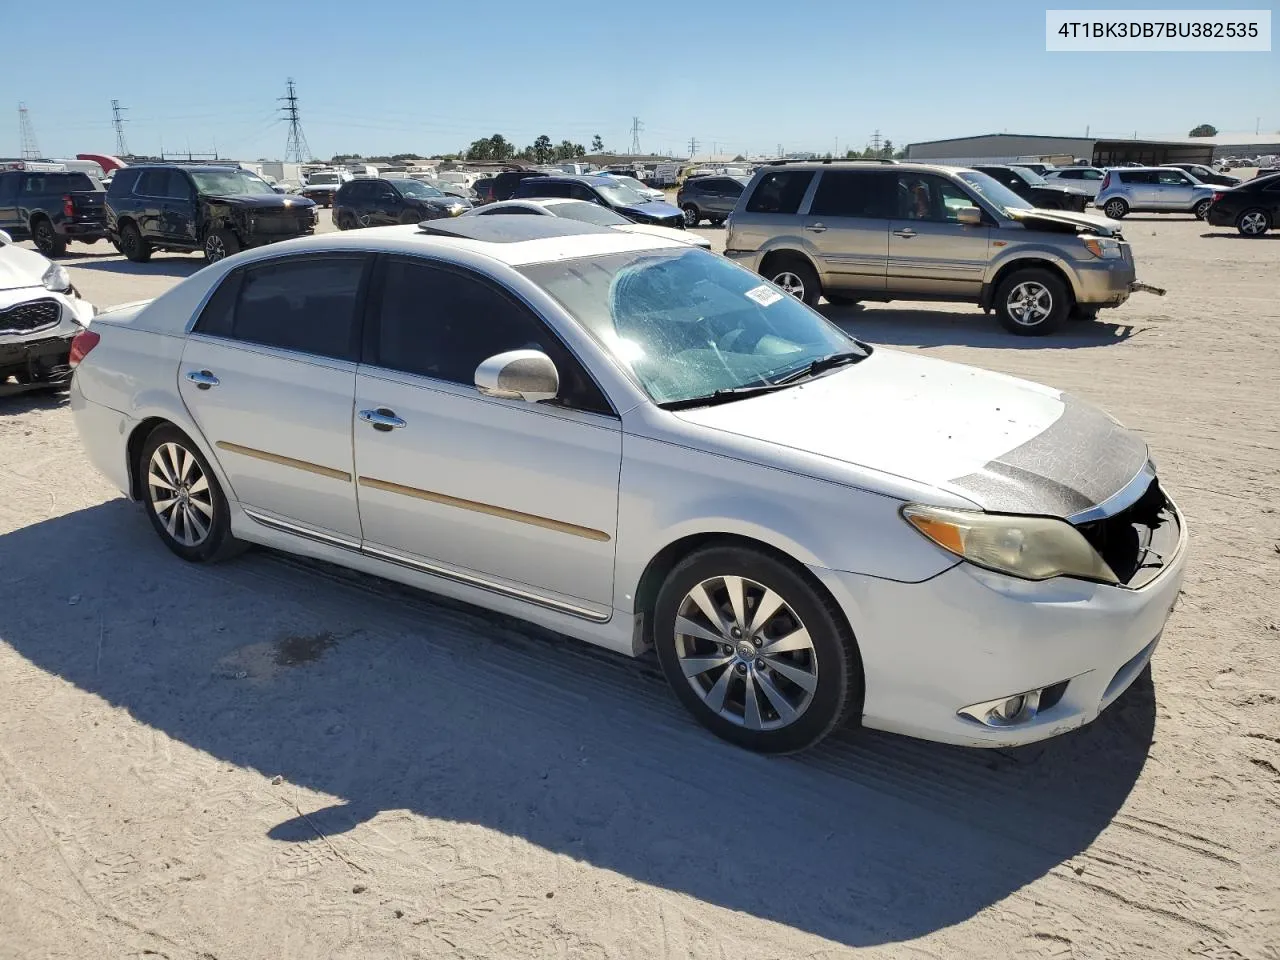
{"type": "Point", "coordinates": [1172, 178]}
{"type": "Point", "coordinates": [176, 186]}
{"type": "Point", "coordinates": [506, 212]}
{"type": "Point", "coordinates": [853, 193]}
{"type": "Point", "coordinates": [230, 183]}
{"type": "Point", "coordinates": [443, 323]}
{"type": "Point", "coordinates": [780, 192]}
{"type": "Point", "coordinates": [309, 305]}
{"type": "Point", "coordinates": [153, 183]}
{"type": "Point", "coordinates": [925, 196]}
{"type": "Point", "coordinates": [688, 323]}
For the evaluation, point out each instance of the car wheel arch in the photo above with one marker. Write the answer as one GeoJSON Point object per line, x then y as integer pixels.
{"type": "Point", "coordinates": [1026, 263]}
{"type": "Point", "coordinates": [148, 425]}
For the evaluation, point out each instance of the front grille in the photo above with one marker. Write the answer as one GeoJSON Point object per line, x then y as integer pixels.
{"type": "Point", "coordinates": [284, 224]}
{"type": "Point", "coordinates": [1139, 541]}
{"type": "Point", "coordinates": [30, 316]}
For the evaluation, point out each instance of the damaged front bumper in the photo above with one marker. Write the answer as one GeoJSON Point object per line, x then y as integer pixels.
{"type": "Point", "coordinates": [1137, 286]}
{"type": "Point", "coordinates": [34, 365]}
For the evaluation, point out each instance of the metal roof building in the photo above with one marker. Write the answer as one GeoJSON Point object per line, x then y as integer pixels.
{"type": "Point", "coordinates": [1102, 152]}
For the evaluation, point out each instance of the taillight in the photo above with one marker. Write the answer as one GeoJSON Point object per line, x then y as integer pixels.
{"type": "Point", "coordinates": [81, 344]}
{"type": "Point", "coordinates": [1217, 195]}
{"type": "Point", "coordinates": [68, 206]}
{"type": "Point", "coordinates": [1106, 181]}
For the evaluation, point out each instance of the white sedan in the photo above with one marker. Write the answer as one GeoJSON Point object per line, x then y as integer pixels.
{"type": "Point", "coordinates": [40, 313]}
{"type": "Point", "coordinates": [585, 212]}
{"type": "Point", "coordinates": [641, 444]}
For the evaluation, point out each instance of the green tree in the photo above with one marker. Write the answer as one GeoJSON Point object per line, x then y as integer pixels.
{"type": "Point", "coordinates": [1204, 130]}
{"type": "Point", "coordinates": [543, 152]}
{"type": "Point", "coordinates": [887, 149]}
{"type": "Point", "coordinates": [501, 148]}
{"type": "Point", "coordinates": [597, 144]}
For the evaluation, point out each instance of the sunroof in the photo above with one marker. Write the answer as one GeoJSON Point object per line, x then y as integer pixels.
{"type": "Point", "coordinates": [510, 229]}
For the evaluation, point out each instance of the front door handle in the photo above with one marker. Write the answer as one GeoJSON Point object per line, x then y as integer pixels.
{"type": "Point", "coordinates": [382, 419]}
{"type": "Point", "coordinates": [906, 233]}
{"type": "Point", "coordinates": [203, 379]}
{"type": "Point", "coordinates": [816, 227]}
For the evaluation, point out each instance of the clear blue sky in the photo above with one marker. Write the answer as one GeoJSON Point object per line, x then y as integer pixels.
{"type": "Point", "coordinates": [744, 76]}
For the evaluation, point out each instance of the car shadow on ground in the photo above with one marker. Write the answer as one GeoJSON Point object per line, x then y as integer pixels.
{"type": "Point", "coordinates": [935, 328]}
{"type": "Point", "coordinates": [391, 701]}
{"type": "Point", "coordinates": [1236, 235]}
{"type": "Point", "coordinates": [176, 265]}
{"type": "Point", "coordinates": [15, 400]}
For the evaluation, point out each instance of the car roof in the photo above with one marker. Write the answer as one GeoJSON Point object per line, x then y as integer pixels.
{"type": "Point", "coordinates": [184, 166]}
{"type": "Point", "coordinates": [514, 241]}
{"type": "Point", "coordinates": [594, 180]}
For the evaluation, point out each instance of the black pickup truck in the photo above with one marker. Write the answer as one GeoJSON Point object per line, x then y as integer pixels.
{"type": "Point", "coordinates": [218, 210]}
{"type": "Point", "coordinates": [52, 208]}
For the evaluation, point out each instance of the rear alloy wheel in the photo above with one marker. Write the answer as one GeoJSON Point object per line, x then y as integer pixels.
{"type": "Point", "coordinates": [754, 652]}
{"type": "Point", "coordinates": [1032, 303]}
{"type": "Point", "coordinates": [1116, 208]}
{"type": "Point", "coordinates": [1254, 223]}
{"type": "Point", "coordinates": [1202, 208]}
{"type": "Point", "coordinates": [220, 244]}
{"type": "Point", "coordinates": [691, 215]}
{"type": "Point", "coordinates": [47, 240]}
{"type": "Point", "coordinates": [132, 245]}
{"type": "Point", "coordinates": [182, 498]}
{"type": "Point", "coordinates": [796, 277]}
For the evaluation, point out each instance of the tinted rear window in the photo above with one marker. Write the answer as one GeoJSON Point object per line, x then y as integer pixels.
{"type": "Point", "coordinates": [854, 193]}
{"type": "Point", "coordinates": [1138, 176]}
{"type": "Point", "coordinates": [780, 192]}
{"type": "Point", "coordinates": [58, 183]}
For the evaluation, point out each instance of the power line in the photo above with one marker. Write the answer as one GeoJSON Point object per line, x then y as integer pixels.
{"type": "Point", "coordinates": [118, 121]}
{"type": "Point", "coordinates": [693, 147]}
{"type": "Point", "coordinates": [27, 134]}
{"type": "Point", "coordinates": [296, 148]}
{"type": "Point", "coordinates": [636, 127]}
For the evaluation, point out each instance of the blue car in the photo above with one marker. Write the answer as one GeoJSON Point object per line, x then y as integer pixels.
{"type": "Point", "coordinates": [607, 192]}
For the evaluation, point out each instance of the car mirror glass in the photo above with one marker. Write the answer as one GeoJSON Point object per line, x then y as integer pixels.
{"type": "Point", "coordinates": [969, 216]}
{"type": "Point", "coordinates": [528, 375]}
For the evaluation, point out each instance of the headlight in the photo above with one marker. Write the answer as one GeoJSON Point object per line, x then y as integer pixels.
{"type": "Point", "coordinates": [1032, 548]}
{"type": "Point", "coordinates": [1104, 247]}
{"type": "Point", "coordinates": [56, 279]}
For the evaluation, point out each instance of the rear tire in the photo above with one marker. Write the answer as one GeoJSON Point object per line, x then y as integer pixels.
{"type": "Point", "coordinates": [132, 244]}
{"type": "Point", "coordinates": [1116, 208]}
{"type": "Point", "coordinates": [46, 239]}
{"type": "Point", "coordinates": [1253, 223]}
{"type": "Point", "coordinates": [182, 498]}
{"type": "Point", "coordinates": [1032, 302]}
{"type": "Point", "coordinates": [796, 277]}
{"type": "Point", "coordinates": [1202, 208]}
{"type": "Point", "coordinates": [692, 217]}
{"type": "Point", "coordinates": [772, 702]}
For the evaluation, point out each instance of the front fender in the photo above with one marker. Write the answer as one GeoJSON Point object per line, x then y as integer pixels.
{"type": "Point", "coordinates": [1031, 252]}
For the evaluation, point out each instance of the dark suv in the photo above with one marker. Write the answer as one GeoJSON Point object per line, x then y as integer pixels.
{"type": "Point", "coordinates": [380, 203]}
{"type": "Point", "coordinates": [51, 208]}
{"type": "Point", "coordinates": [219, 210]}
{"type": "Point", "coordinates": [709, 198]}
{"type": "Point", "coordinates": [1035, 189]}
{"type": "Point", "coordinates": [607, 192]}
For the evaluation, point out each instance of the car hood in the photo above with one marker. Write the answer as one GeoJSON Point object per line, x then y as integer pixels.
{"type": "Point", "coordinates": [1063, 221]}
{"type": "Point", "coordinates": [1004, 444]}
{"type": "Point", "coordinates": [265, 201]}
{"type": "Point", "coordinates": [657, 209]}
{"type": "Point", "coordinates": [667, 233]}
{"type": "Point", "coordinates": [20, 267]}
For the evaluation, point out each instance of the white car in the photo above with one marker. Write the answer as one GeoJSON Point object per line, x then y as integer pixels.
{"type": "Point", "coordinates": [637, 443]}
{"type": "Point", "coordinates": [40, 313]}
{"type": "Point", "coordinates": [1086, 179]}
{"type": "Point", "coordinates": [649, 193]}
{"type": "Point", "coordinates": [585, 212]}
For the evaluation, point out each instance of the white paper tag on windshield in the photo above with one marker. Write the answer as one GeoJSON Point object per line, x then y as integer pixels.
{"type": "Point", "coordinates": [764, 295]}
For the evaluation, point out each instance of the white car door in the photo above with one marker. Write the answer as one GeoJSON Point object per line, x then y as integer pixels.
{"type": "Point", "coordinates": [269, 374]}
{"type": "Point", "coordinates": [508, 495]}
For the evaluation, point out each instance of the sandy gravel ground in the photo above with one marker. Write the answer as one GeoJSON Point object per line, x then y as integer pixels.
{"type": "Point", "coordinates": [275, 759]}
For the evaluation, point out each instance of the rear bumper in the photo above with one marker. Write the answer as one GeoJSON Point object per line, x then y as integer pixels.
{"type": "Point", "coordinates": [83, 231]}
{"type": "Point", "coordinates": [1217, 217]}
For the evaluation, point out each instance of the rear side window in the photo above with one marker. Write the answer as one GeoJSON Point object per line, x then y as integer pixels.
{"type": "Point", "coordinates": [310, 305]}
{"type": "Point", "coordinates": [123, 182]}
{"type": "Point", "coordinates": [43, 183]}
{"type": "Point", "coordinates": [1069, 175]}
{"type": "Point", "coordinates": [780, 192]}
{"type": "Point", "coordinates": [153, 183]}
{"type": "Point", "coordinates": [854, 193]}
{"type": "Point", "coordinates": [1138, 176]}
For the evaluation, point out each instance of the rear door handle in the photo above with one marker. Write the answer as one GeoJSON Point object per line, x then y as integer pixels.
{"type": "Point", "coordinates": [906, 233]}
{"type": "Point", "coordinates": [382, 419]}
{"type": "Point", "coordinates": [816, 227]}
{"type": "Point", "coordinates": [203, 379]}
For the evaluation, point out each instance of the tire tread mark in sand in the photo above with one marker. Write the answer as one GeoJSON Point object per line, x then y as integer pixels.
{"type": "Point", "coordinates": [1168, 833]}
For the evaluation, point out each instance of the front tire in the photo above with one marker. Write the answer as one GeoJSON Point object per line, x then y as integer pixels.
{"type": "Point", "coordinates": [182, 498]}
{"type": "Point", "coordinates": [691, 215]}
{"type": "Point", "coordinates": [1253, 223]}
{"type": "Point", "coordinates": [47, 240]}
{"type": "Point", "coordinates": [132, 244]}
{"type": "Point", "coordinates": [1116, 208]}
{"type": "Point", "coordinates": [756, 653]}
{"type": "Point", "coordinates": [1032, 302]}
{"type": "Point", "coordinates": [220, 244]}
{"type": "Point", "coordinates": [796, 277]}
{"type": "Point", "coordinates": [1202, 208]}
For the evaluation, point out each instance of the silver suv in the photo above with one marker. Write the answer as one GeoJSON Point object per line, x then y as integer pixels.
{"type": "Point", "coordinates": [851, 231]}
{"type": "Point", "coordinates": [1155, 190]}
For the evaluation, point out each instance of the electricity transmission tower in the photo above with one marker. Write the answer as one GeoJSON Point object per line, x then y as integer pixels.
{"type": "Point", "coordinates": [27, 135]}
{"type": "Point", "coordinates": [296, 149]}
{"type": "Point", "coordinates": [875, 141]}
{"type": "Point", "coordinates": [118, 121]}
{"type": "Point", "coordinates": [693, 147]}
{"type": "Point", "coordinates": [636, 127]}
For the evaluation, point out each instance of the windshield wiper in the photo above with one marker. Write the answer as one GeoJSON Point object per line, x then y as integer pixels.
{"type": "Point", "coordinates": [724, 395]}
{"type": "Point", "coordinates": [829, 362]}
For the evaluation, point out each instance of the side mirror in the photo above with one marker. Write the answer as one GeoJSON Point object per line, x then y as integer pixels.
{"type": "Point", "coordinates": [527, 375]}
{"type": "Point", "coordinates": [5, 238]}
{"type": "Point", "coordinates": [969, 216]}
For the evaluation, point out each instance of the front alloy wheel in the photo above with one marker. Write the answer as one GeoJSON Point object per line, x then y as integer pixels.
{"type": "Point", "coordinates": [1202, 208]}
{"type": "Point", "coordinates": [1032, 302]}
{"type": "Point", "coordinates": [691, 216]}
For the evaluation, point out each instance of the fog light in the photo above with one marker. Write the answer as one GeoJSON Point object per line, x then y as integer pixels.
{"type": "Point", "coordinates": [1016, 709]}
{"type": "Point", "coordinates": [1009, 709]}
